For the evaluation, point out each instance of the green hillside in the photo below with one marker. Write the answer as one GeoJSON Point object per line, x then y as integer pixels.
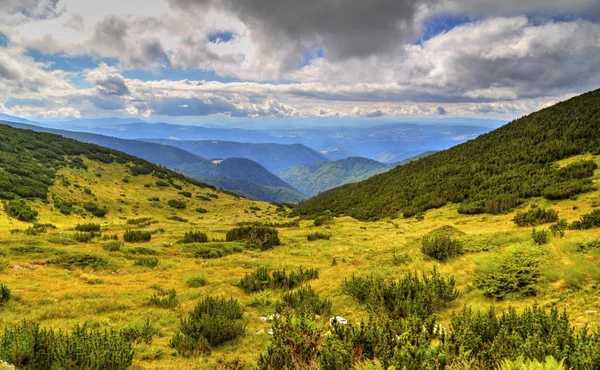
{"type": "Point", "coordinates": [318, 177]}
{"type": "Point", "coordinates": [490, 174]}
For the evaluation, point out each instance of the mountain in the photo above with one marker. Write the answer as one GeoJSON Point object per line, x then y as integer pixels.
{"type": "Point", "coordinates": [318, 177]}
{"type": "Point", "coordinates": [272, 156]}
{"type": "Point", "coordinates": [490, 174]}
{"type": "Point", "coordinates": [401, 156]}
{"type": "Point", "coordinates": [257, 182]}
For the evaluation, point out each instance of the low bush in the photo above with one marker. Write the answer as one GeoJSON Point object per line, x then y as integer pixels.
{"type": "Point", "coordinates": [516, 275]}
{"type": "Point", "coordinates": [150, 262]}
{"type": "Point", "coordinates": [90, 227]}
{"type": "Point", "coordinates": [197, 281]}
{"type": "Point", "coordinates": [154, 199]}
{"type": "Point", "coordinates": [95, 209]}
{"type": "Point", "coordinates": [321, 220]}
{"type": "Point", "coordinates": [28, 346]}
{"type": "Point", "coordinates": [587, 221]}
{"type": "Point", "coordinates": [202, 197]}
{"type": "Point", "coordinates": [70, 261]}
{"type": "Point", "coordinates": [441, 247]}
{"type": "Point", "coordinates": [114, 246]}
{"type": "Point", "coordinates": [304, 300]}
{"type": "Point", "coordinates": [162, 184]}
{"type": "Point", "coordinates": [164, 299]}
{"type": "Point", "coordinates": [5, 294]}
{"type": "Point", "coordinates": [194, 237]}
{"type": "Point", "coordinates": [539, 237]}
{"type": "Point", "coordinates": [201, 210]}
{"type": "Point", "coordinates": [213, 321]}
{"type": "Point", "coordinates": [176, 204]}
{"type": "Point", "coordinates": [140, 221]}
{"type": "Point", "coordinates": [260, 279]}
{"type": "Point", "coordinates": [84, 237]}
{"type": "Point", "coordinates": [143, 251]}
{"type": "Point", "coordinates": [21, 210]}
{"type": "Point", "coordinates": [137, 236]}
{"type": "Point", "coordinates": [317, 236]}
{"type": "Point", "coordinates": [177, 218]}
{"type": "Point", "coordinates": [535, 217]}
{"type": "Point", "coordinates": [411, 295]}
{"type": "Point", "coordinates": [263, 237]}
{"type": "Point", "coordinates": [186, 194]}
{"type": "Point", "coordinates": [558, 229]}
{"type": "Point", "coordinates": [141, 333]}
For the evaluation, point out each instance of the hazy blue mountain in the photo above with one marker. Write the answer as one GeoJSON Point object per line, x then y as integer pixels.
{"type": "Point", "coordinates": [315, 178]}
{"type": "Point", "coordinates": [249, 178]}
{"type": "Point", "coordinates": [272, 156]}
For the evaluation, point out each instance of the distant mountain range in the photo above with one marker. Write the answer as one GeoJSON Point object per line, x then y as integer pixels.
{"type": "Point", "coordinates": [271, 156]}
{"type": "Point", "coordinates": [243, 176]}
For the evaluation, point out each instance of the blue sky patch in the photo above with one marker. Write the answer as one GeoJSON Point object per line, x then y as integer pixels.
{"type": "Point", "coordinates": [309, 56]}
{"type": "Point", "coordinates": [441, 23]}
{"type": "Point", "coordinates": [176, 75]}
{"type": "Point", "coordinates": [3, 40]}
{"type": "Point", "coordinates": [219, 37]}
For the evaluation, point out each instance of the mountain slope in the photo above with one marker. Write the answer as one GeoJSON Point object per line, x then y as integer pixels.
{"type": "Point", "coordinates": [271, 156]}
{"type": "Point", "coordinates": [259, 183]}
{"type": "Point", "coordinates": [318, 177]}
{"type": "Point", "coordinates": [488, 174]}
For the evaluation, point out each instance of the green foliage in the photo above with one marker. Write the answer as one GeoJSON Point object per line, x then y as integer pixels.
{"type": "Point", "coordinates": [550, 363]}
{"type": "Point", "coordinates": [28, 346]}
{"type": "Point", "coordinates": [113, 246]}
{"type": "Point", "coordinates": [5, 294]}
{"type": "Point", "coordinates": [142, 221]}
{"type": "Point", "coordinates": [194, 237]}
{"type": "Point", "coordinates": [441, 247]}
{"type": "Point", "coordinates": [89, 227]}
{"type": "Point", "coordinates": [210, 251]}
{"type": "Point", "coordinates": [84, 237]}
{"type": "Point", "coordinates": [410, 296]}
{"type": "Point", "coordinates": [213, 321]}
{"type": "Point", "coordinates": [558, 229]}
{"type": "Point", "coordinates": [304, 299]}
{"type": "Point", "coordinates": [539, 237]}
{"type": "Point", "coordinates": [490, 173]}
{"type": "Point", "coordinates": [515, 275]}
{"type": "Point", "coordinates": [263, 237]}
{"type": "Point", "coordinates": [137, 236]}
{"type": "Point", "coordinates": [587, 221]}
{"type": "Point", "coordinates": [162, 184]}
{"type": "Point", "coordinates": [260, 279]}
{"type": "Point", "coordinates": [321, 220]}
{"type": "Point", "coordinates": [317, 236]}
{"type": "Point", "coordinates": [164, 299]}
{"type": "Point", "coordinates": [143, 251]}
{"type": "Point", "coordinates": [70, 261]}
{"type": "Point", "coordinates": [176, 204]}
{"type": "Point", "coordinates": [585, 247]}
{"type": "Point", "coordinates": [197, 281]}
{"type": "Point", "coordinates": [95, 209]}
{"type": "Point", "coordinates": [20, 210]}
{"type": "Point", "coordinates": [535, 217]}
{"type": "Point", "coordinates": [150, 262]}
{"type": "Point", "coordinates": [177, 218]}
{"type": "Point", "coordinates": [201, 210]}
{"type": "Point", "coordinates": [186, 194]}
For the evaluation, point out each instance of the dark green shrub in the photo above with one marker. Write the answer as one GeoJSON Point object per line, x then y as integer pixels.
{"type": "Point", "coordinates": [593, 245]}
{"type": "Point", "coordinates": [154, 199]}
{"type": "Point", "coordinates": [176, 204]}
{"type": "Point", "coordinates": [260, 279]}
{"type": "Point", "coordinates": [20, 210]}
{"type": "Point", "coordinates": [564, 190]}
{"type": "Point", "coordinates": [202, 197]}
{"type": "Point", "coordinates": [84, 237]}
{"type": "Point", "coordinates": [587, 221]}
{"type": "Point", "coordinates": [177, 218]}
{"type": "Point", "coordinates": [209, 251]}
{"type": "Point", "coordinates": [95, 209]}
{"type": "Point", "coordinates": [213, 321]}
{"type": "Point", "coordinates": [142, 221]}
{"type": "Point", "coordinates": [304, 299]}
{"type": "Point", "coordinates": [141, 333]}
{"type": "Point", "coordinates": [558, 229]}
{"type": "Point", "coordinates": [164, 299]}
{"type": "Point", "coordinates": [516, 275]}
{"type": "Point", "coordinates": [321, 220]}
{"type": "Point", "coordinates": [411, 295]}
{"type": "Point", "coordinates": [30, 347]}
{"type": "Point", "coordinates": [114, 246]}
{"type": "Point", "coordinates": [150, 262]}
{"type": "Point", "coordinates": [143, 251]}
{"type": "Point", "coordinates": [5, 294]}
{"type": "Point", "coordinates": [263, 237]}
{"type": "Point", "coordinates": [186, 194]}
{"type": "Point", "coordinates": [125, 180]}
{"type": "Point", "coordinates": [90, 227]}
{"type": "Point", "coordinates": [28, 249]}
{"type": "Point", "coordinates": [201, 210]}
{"type": "Point", "coordinates": [194, 237]}
{"type": "Point", "coordinates": [317, 236]}
{"type": "Point", "coordinates": [501, 204]}
{"type": "Point", "coordinates": [162, 184]}
{"type": "Point", "coordinates": [70, 261]}
{"type": "Point", "coordinates": [197, 281]}
{"type": "Point", "coordinates": [441, 247]}
{"type": "Point", "coordinates": [137, 236]}
{"type": "Point", "coordinates": [536, 216]}
{"type": "Point", "coordinates": [539, 237]}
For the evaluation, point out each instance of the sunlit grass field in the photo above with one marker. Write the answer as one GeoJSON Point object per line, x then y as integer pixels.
{"type": "Point", "coordinates": [117, 296]}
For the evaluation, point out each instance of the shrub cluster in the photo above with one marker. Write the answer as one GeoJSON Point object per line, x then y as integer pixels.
{"type": "Point", "coordinates": [304, 300]}
{"type": "Point", "coordinates": [84, 237]}
{"type": "Point", "coordinates": [514, 276]}
{"type": "Point", "coordinates": [137, 236]}
{"type": "Point", "coordinates": [441, 247]}
{"type": "Point", "coordinates": [587, 221]}
{"type": "Point", "coordinates": [177, 218]}
{"type": "Point", "coordinates": [197, 281]}
{"type": "Point", "coordinates": [164, 299]}
{"type": "Point", "coordinates": [70, 261]}
{"type": "Point", "coordinates": [194, 237]}
{"type": "Point", "coordinates": [213, 321]}
{"type": "Point", "coordinates": [21, 210]}
{"type": "Point", "coordinates": [212, 251]}
{"type": "Point", "coordinates": [113, 246]}
{"type": "Point", "coordinates": [321, 220]}
{"type": "Point", "coordinates": [411, 295]}
{"type": "Point", "coordinates": [539, 237]}
{"type": "Point", "coordinates": [186, 194]}
{"type": "Point", "coordinates": [201, 210]}
{"type": "Point", "coordinates": [95, 209]}
{"type": "Point", "coordinates": [30, 347]}
{"type": "Point", "coordinates": [536, 216]}
{"type": "Point", "coordinates": [5, 294]}
{"type": "Point", "coordinates": [141, 333]}
{"type": "Point", "coordinates": [263, 237]}
{"type": "Point", "coordinates": [141, 222]}
{"type": "Point", "coordinates": [89, 227]}
{"type": "Point", "coordinates": [317, 236]}
{"type": "Point", "coordinates": [260, 279]}
{"type": "Point", "coordinates": [176, 204]}
{"type": "Point", "coordinates": [150, 262]}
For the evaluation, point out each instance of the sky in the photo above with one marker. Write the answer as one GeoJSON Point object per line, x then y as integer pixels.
{"type": "Point", "coordinates": [274, 61]}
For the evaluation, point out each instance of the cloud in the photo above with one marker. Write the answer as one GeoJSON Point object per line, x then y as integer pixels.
{"type": "Point", "coordinates": [107, 81]}
{"type": "Point", "coordinates": [76, 22]}
{"type": "Point", "coordinates": [441, 111]}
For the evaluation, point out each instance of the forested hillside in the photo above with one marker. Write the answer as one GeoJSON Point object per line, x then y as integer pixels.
{"type": "Point", "coordinates": [489, 174]}
{"type": "Point", "coordinates": [271, 156]}
{"type": "Point", "coordinates": [318, 177]}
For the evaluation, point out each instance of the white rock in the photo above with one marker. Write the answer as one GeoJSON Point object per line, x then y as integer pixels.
{"type": "Point", "coordinates": [263, 318]}
{"type": "Point", "coordinates": [273, 316]}
{"type": "Point", "coordinates": [339, 319]}
{"type": "Point", "coordinates": [17, 268]}
{"type": "Point", "coordinates": [270, 331]}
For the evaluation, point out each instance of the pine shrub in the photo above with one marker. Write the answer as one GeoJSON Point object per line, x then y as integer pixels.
{"type": "Point", "coordinates": [164, 299]}
{"type": "Point", "coordinates": [150, 262]}
{"type": "Point", "coordinates": [70, 261]}
{"type": "Point", "coordinates": [176, 204]}
{"type": "Point", "coordinates": [441, 247]}
{"type": "Point", "coordinates": [587, 221]}
{"type": "Point", "coordinates": [539, 237]}
{"type": "Point", "coordinates": [263, 237]}
{"type": "Point", "coordinates": [516, 275]}
{"type": "Point", "coordinates": [194, 237]}
{"type": "Point", "coordinates": [304, 299]}
{"type": "Point", "coordinates": [21, 210]}
{"type": "Point", "coordinates": [260, 279]}
{"type": "Point", "coordinates": [137, 236]}
{"type": "Point", "coordinates": [535, 217]}
{"type": "Point", "coordinates": [89, 227]}
{"type": "Point", "coordinates": [95, 209]}
{"type": "Point", "coordinates": [318, 236]}
{"type": "Point", "coordinates": [5, 294]}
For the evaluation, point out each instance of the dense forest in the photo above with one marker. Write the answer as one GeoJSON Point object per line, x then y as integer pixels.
{"type": "Point", "coordinates": [489, 174]}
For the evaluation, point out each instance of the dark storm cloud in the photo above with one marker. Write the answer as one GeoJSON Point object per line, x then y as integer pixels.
{"type": "Point", "coordinates": [112, 85]}
{"type": "Point", "coordinates": [441, 111]}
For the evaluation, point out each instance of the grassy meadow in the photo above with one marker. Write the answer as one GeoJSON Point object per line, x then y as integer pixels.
{"type": "Point", "coordinates": [118, 294]}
